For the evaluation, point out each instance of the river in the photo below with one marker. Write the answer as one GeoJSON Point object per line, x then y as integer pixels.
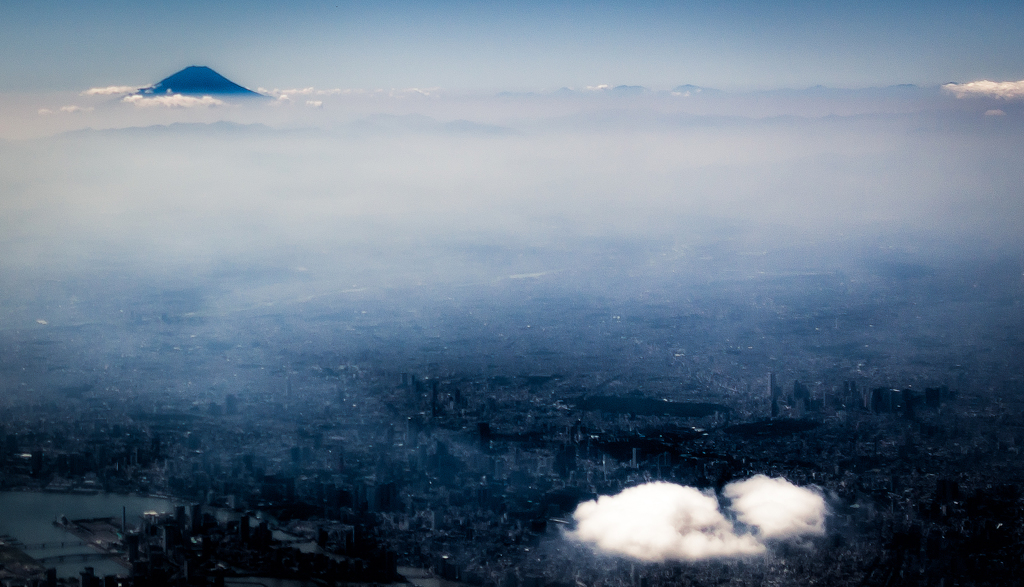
{"type": "Point", "coordinates": [28, 516]}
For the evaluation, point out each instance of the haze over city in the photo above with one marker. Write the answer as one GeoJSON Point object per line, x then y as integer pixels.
{"type": "Point", "coordinates": [511, 294]}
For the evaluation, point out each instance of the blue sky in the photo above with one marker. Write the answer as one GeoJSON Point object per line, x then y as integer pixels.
{"type": "Point", "coordinates": [58, 45]}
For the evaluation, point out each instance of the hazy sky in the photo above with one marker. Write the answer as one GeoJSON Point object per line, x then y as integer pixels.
{"type": "Point", "coordinates": [489, 167]}
{"type": "Point", "coordinates": [51, 45]}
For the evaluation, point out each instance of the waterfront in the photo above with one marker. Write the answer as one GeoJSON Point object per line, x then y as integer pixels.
{"type": "Point", "coordinates": [28, 517]}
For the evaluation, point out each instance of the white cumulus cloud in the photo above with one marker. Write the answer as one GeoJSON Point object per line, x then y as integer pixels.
{"type": "Point", "coordinates": [661, 521]}
{"type": "Point", "coordinates": [664, 521]}
{"type": "Point", "coordinates": [985, 88]}
{"type": "Point", "coordinates": [777, 508]}
{"type": "Point", "coordinates": [172, 101]}
{"type": "Point", "coordinates": [109, 91]}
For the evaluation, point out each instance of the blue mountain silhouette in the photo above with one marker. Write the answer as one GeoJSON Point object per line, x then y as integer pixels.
{"type": "Point", "coordinates": [198, 79]}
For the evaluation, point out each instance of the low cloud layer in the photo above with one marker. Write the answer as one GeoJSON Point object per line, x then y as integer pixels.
{"type": "Point", "coordinates": [663, 521]}
{"type": "Point", "coordinates": [109, 91]}
{"type": "Point", "coordinates": [310, 91]}
{"type": "Point", "coordinates": [985, 88]}
{"type": "Point", "coordinates": [172, 101]}
{"type": "Point", "coordinates": [287, 95]}
{"type": "Point", "coordinates": [72, 109]}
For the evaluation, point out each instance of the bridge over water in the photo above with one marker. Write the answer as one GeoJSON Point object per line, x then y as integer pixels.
{"type": "Point", "coordinates": [80, 556]}
{"type": "Point", "coordinates": [50, 545]}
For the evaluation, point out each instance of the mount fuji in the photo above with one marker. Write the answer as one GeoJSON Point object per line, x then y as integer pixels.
{"type": "Point", "coordinates": [198, 79]}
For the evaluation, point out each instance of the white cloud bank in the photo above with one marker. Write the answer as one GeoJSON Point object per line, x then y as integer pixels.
{"type": "Point", "coordinates": [109, 91]}
{"type": "Point", "coordinates": [172, 101]}
{"type": "Point", "coordinates": [985, 88]}
{"type": "Point", "coordinates": [663, 521]}
{"type": "Point", "coordinates": [72, 109]}
{"type": "Point", "coordinates": [288, 95]}
{"type": "Point", "coordinates": [310, 91]}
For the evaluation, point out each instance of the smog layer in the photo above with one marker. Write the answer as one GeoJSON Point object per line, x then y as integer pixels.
{"type": "Point", "coordinates": [602, 337]}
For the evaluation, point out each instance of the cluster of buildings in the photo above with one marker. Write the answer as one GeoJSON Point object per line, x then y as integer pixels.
{"type": "Point", "coordinates": [348, 475]}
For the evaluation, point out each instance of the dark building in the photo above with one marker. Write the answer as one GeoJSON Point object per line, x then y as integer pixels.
{"type": "Point", "coordinates": [776, 394]}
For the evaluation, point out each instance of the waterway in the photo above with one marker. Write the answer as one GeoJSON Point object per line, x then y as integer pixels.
{"type": "Point", "coordinates": [28, 516]}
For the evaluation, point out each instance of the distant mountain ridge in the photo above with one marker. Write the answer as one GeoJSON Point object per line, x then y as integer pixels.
{"type": "Point", "coordinates": [198, 80]}
{"type": "Point", "coordinates": [222, 127]}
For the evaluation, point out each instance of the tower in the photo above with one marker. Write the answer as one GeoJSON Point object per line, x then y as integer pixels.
{"type": "Point", "coordinates": [775, 392]}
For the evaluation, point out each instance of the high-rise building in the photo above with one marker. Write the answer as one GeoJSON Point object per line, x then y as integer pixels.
{"type": "Point", "coordinates": [775, 392]}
